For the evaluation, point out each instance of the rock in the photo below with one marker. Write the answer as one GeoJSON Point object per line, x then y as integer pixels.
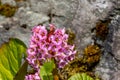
{"type": "Point", "coordinates": [62, 11]}
{"type": "Point", "coordinates": [22, 34]}
{"type": "Point", "coordinates": [30, 18]}
{"type": "Point", "coordinates": [4, 35]}
{"type": "Point", "coordinates": [109, 63]}
{"type": "Point", "coordinates": [11, 2]}
{"type": "Point", "coordinates": [2, 18]}
{"type": "Point", "coordinates": [22, 4]}
{"type": "Point", "coordinates": [8, 22]}
{"type": "Point", "coordinates": [107, 66]}
{"type": "Point", "coordinates": [41, 6]}
{"type": "Point", "coordinates": [87, 14]}
{"type": "Point", "coordinates": [10, 28]}
{"type": "Point", "coordinates": [116, 75]}
{"type": "Point", "coordinates": [116, 38]}
{"type": "Point", "coordinates": [118, 65]}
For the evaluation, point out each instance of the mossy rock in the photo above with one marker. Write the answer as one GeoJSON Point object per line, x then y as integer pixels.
{"type": "Point", "coordinates": [102, 29]}
{"type": "Point", "coordinates": [91, 54]}
{"type": "Point", "coordinates": [7, 10]}
{"type": "Point", "coordinates": [86, 63]}
{"type": "Point", "coordinates": [71, 37]}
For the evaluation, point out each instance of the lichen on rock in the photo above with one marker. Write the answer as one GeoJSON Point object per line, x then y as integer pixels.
{"type": "Point", "coordinates": [7, 10]}
{"type": "Point", "coordinates": [92, 54]}
{"type": "Point", "coordinates": [102, 29]}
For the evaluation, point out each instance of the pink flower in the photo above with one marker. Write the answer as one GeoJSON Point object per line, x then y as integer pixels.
{"type": "Point", "coordinates": [36, 29]}
{"type": "Point", "coordinates": [31, 51]}
{"type": "Point", "coordinates": [56, 40]}
{"type": "Point", "coordinates": [47, 44]}
{"type": "Point", "coordinates": [32, 77]}
{"type": "Point", "coordinates": [60, 56]}
{"type": "Point", "coordinates": [62, 63]}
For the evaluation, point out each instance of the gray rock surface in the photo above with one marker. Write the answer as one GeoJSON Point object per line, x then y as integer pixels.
{"type": "Point", "coordinates": [109, 67]}
{"type": "Point", "coordinates": [30, 18]}
{"type": "Point", "coordinates": [11, 27]}
{"type": "Point", "coordinates": [2, 19]}
{"type": "Point", "coordinates": [11, 2]}
{"type": "Point", "coordinates": [106, 67]}
{"type": "Point", "coordinates": [116, 75]}
{"type": "Point", "coordinates": [116, 39]}
{"type": "Point", "coordinates": [41, 6]}
{"type": "Point", "coordinates": [87, 13]}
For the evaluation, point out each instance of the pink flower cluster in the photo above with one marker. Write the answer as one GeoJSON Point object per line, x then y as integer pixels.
{"type": "Point", "coordinates": [33, 76]}
{"type": "Point", "coordinates": [49, 44]}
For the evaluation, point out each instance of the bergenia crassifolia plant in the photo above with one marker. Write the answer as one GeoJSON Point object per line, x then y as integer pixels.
{"type": "Point", "coordinates": [47, 44]}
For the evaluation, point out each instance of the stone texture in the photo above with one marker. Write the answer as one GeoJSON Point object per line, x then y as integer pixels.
{"type": "Point", "coordinates": [10, 27]}
{"type": "Point", "coordinates": [116, 38]}
{"type": "Point", "coordinates": [20, 33]}
{"type": "Point", "coordinates": [87, 14]}
{"type": "Point", "coordinates": [2, 19]}
{"type": "Point", "coordinates": [116, 76]}
{"type": "Point", "coordinates": [109, 63]}
{"type": "Point", "coordinates": [11, 2]}
{"type": "Point", "coordinates": [4, 36]}
{"type": "Point", "coordinates": [30, 18]}
{"type": "Point", "coordinates": [63, 10]}
{"type": "Point", "coordinates": [41, 6]}
{"type": "Point", "coordinates": [106, 67]}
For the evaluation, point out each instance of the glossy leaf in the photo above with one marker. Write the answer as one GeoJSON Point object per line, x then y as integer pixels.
{"type": "Point", "coordinates": [11, 54]}
{"type": "Point", "coordinates": [46, 70]}
{"type": "Point", "coordinates": [82, 76]}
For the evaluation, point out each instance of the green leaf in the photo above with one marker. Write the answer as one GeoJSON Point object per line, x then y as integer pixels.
{"type": "Point", "coordinates": [49, 66]}
{"type": "Point", "coordinates": [22, 72]}
{"type": "Point", "coordinates": [10, 58]}
{"type": "Point", "coordinates": [82, 76]}
{"type": "Point", "coordinates": [46, 70]}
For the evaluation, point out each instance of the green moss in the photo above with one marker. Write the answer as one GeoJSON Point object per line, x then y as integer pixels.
{"type": "Point", "coordinates": [102, 29]}
{"type": "Point", "coordinates": [7, 10]}
{"type": "Point", "coordinates": [71, 37]}
{"type": "Point", "coordinates": [84, 64]}
{"type": "Point", "coordinates": [91, 54]}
